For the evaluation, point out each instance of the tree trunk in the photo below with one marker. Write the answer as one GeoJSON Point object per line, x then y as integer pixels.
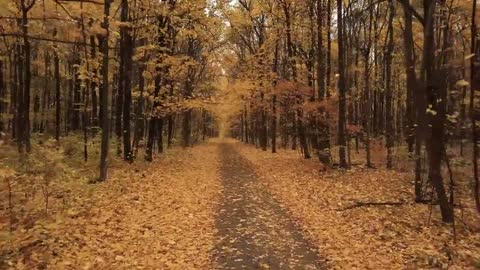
{"type": "Point", "coordinates": [150, 139]}
{"type": "Point", "coordinates": [126, 68]}
{"type": "Point", "coordinates": [274, 124]}
{"type": "Point", "coordinates": [27, 80]}
{"type": "Point", "coordinates": [320, 52]}
{"type": "Point", "coordinates": [409, 52]}
{"type": "Point", "coordinates": [323, 142]}
{"type": "Point", "coordinates": [160, 135]}
{"type": "Point", "coordinates": [389, 87]}
{"type": "Point", "coordinates": [187, 128]}
{"type": "Point", "coordinates": [171, 126]}
{"type": "Point", "coordinates": [475, 87]}
{"type": "Point", "coordinates": [76, 90]}
{"type": "Point", "coordinates": [46, 95]}
{"type": "Point", "coordinates": [247, 134]}
{"type": "Point", "coordinates": [329, 47]}
{"type": "Point", "coordinates": [437, 115]}
{"type": "Point", "coordinates": [302, 136]}
{"type": "Point", "coordinates": [58, 105]}
{"type": "Point", "coordinates": [13, 62]}
{"type": "Point", "coordinates": [414, 100]}
{"type": "Point", "coordinates": [20, 129]}
{"type": "Point", "coordinates": [153, 121]}
{"type": "Point", "coordinates": [341, 89]}
{"type": "Point", "coordinates": [93, 86]}
{"type": "Point", "coordinates": [139, 114]}
{"type": "Point", "coordinates": [105, 122]}
{"type": "Point", "coordinates": [2, 97]}
{"type": "Point", "coordinates": [119, 97]}
{"type": "Point", "coordinates": [263, 124]}
{"type": "Point", "coordinates": [25, 76]}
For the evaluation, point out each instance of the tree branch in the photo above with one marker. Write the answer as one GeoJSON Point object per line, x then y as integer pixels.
{"type": "Point", "coordinates": [48, 39]}
{"type": "Point", "coordinates": [406, 5]}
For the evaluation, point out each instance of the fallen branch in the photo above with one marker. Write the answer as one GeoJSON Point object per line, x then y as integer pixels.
{"type": "Point", "coordinates": [366, 204]}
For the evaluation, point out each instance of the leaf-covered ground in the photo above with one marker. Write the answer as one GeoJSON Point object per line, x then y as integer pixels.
{"type": "Point", "coordinates": [155, 216]}
{"type": "Point", "coordinates": [254, 232]}
{"type": "Point", "coordinates": [222, 205]}
{"type": "Point", "coordinates": [401, 236]}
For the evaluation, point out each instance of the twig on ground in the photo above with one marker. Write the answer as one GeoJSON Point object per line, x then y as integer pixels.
{"type": "Point", "coordinates": [366, 204]}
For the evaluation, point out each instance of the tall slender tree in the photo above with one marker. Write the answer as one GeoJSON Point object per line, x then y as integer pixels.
{"type": "Point", "coordinates": [342, 112]}
{"type": "Point", "coordinates": [105, 121]}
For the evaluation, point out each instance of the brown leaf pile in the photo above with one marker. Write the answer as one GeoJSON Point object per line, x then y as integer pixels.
{"type": "Point", "coordinates": [368, 237]}
{"type": "Point", "coordinates": [146, 216]}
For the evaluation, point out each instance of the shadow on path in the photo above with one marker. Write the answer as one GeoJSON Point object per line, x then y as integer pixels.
{"type": "Point", "coordinates": [254, 232]}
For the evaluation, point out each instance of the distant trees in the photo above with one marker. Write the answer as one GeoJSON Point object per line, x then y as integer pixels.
{"type": "Point", "coordinates": [133, 70]}
{"type": "Point", "coordinates": [387, 90]}
{"type": "Point", "coordinates": [315, 76]}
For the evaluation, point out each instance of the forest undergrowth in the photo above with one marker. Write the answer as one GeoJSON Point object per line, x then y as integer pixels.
{"type": "Point", "coordinates": [149, 216]}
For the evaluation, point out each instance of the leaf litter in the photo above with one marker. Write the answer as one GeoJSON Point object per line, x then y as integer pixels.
{"type": "Point", "coordinates": [369, 237]}
{"type": "Point", "coordinates": [174, 214]}
{"type": "Point", "coordinates": [146, 216]}
{"type": "Point", "coordinates": [254, 232]}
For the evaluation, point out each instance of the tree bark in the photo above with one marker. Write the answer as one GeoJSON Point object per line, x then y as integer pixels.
{"type": "Point", "coordinates": [274, 124]}
{"type": "Point", "coordinates": [160, 135]}
{"type": "Point", "coordinates": [126, 68]}
{"type": "Point", "coordinates": [389, 87]}
{"type": "Point", "coordinates": [329, 48]}
{"type": "Point", "coordinates": [341, 89]}
{"type": "Point", "coordinates": [2, 97]}
{"type": "Point", "coordinates": [435, 96]}
{"type": "Point", "coordinates": [139, 113]}
{"type": "Point", "coordinates": [58, 105]}
{"type": "Point", "coordinates": [475, 87]}
{"type": "Point", "coordinates": [76, 90]}
{"type": "Point", "coordinates": [93, 85]}
{"type": "Point", "coordinates": [414, 133]}
{"type": "Point", "coordinates": [25, 75]}
{"type": "Point", "coordinates": [105, 121]}
{"type": "Point", "coordinates": [320, 52]}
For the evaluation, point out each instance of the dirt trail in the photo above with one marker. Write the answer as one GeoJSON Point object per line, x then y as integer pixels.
{"type": "Point", "coordinates": [254, 232]}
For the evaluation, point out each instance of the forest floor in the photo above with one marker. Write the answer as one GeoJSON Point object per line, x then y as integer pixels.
{"type": "Point", "coordinates": [223, 205]}
{"type": "Point", "coordinates": [342, 212]}
{"type": "Point", "coordinates": [146, 216]}
{"type": "Point", "coordinates": [254, 231]}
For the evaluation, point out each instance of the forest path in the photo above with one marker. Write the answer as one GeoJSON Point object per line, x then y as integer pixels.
{"type": "Point", "coordinates": [254, 232]}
